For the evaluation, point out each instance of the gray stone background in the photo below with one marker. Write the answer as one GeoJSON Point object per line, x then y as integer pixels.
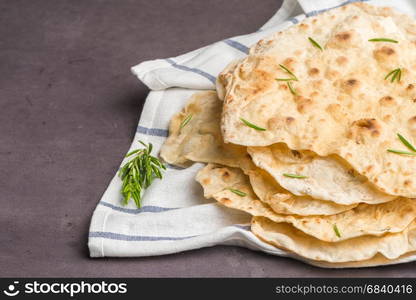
{"type": "Point", "coordinates": [68, 112]}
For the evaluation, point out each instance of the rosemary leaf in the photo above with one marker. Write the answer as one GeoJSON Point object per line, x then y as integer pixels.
{"type": "Point", "coordinates": [336, 230]}
{"type": "Point", "coordinates": [237, 192]}
{"type": "Point", "coordinates": [136, 198]}
{"type": "Point", "coordinates": [127, 196]}
{"type": "Point", "coordinates": [292, 90]}
{"type": "Point", "coordinates": [395, 74]}
{"type": "Point", "coordinates": [388, 75]}
{"type": "Point", "coordinates": [284, 79]}
{"type": "Point", "coordinates": [383, 40]}
{"type": "Point", "coordinates": [406, 142]}
{"type": "Point", "coordinates": [314, 43]}
{"type": "Point", "coordinates": [247, 123]}
{"type": "Point", "coordinates": [401, 152]}
{"type": "Point", "coordinates": [289, 72]}
{"type": "Point", "coordinates": [157, 163]}
{"type": "Point", "coordinates": [185, 121]}
{"type": "Point", "coordinates": [132, 152]}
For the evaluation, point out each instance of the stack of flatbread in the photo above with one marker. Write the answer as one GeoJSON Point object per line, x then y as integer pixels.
{"type": "Point", "coordinates": [312, 134]}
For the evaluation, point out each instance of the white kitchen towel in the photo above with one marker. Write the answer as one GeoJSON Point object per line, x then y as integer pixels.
{"type": "Point", "coordinates": [175, 216]}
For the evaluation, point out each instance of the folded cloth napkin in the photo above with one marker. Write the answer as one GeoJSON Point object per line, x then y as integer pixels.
{"type": "Point", "coordinates": [175, 217]}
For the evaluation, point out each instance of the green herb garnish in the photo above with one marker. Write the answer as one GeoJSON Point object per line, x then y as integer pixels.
{"type": "Point", "coordinates": [401, 152]}
{"type": "Point", "coordinates": [185, 121]}
{"type": "Point", "coordinates": [237, 192]}
{"type": "Point", "coordinates": [289, 72]}
{"type": "Point", "coordinates": [336, 230]}
{"type": "Point", "coordinates": [139, 173]}
{"type": "Point", "coordinates": [294, 176]}
{"type": "Point", "coordinates": [313, 42]}
{"type": "Point", "coordinates": [247, 123]}
{"type": "Point", "coordinates": [383, 40]}
{"type": "Point", "coordinates": [292, 90]}
{"type": "Point", "coordinates": [406, 142]}
{"type": "Point", "coordinates": [395, 74]}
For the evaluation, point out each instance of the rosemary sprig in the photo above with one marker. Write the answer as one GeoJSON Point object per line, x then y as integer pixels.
{"type": "Point", "coordinates": [315, 43]}
{"type": "Point", "coordinates": [406, 142]}
{"type": "Point", "coordinates": [237, 192]}
{"type": "Point", "coordinates": [395, 74]}
{"type": "Point", "coordinates": [294, 176]}
{"type": "Point", "coordinates": [139, 173]}
{"type": "Point", "coordinates": [289, 72]}
{"type": "Point", "coordinates": [401, 152]}
{"type": "Point", "coordinates": [383, 40]}
{"type": "Point", "coordinates": [185, 121]}
{"type": "Point", "coordinates": [336, 230]}
{"type": "Point", "coordinates": [247, 123]}
{"type": "Point", "coordinates": [292, 90]}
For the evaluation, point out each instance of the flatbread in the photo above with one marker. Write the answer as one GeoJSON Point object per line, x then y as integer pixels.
{"type": "Point", "coordinates": [343, 103]}
{"type": "Point", "coordinates": [285, 236]}
{"type": "Point", "coordinates": [221, 183]}
{"type": "Point", "coordinates": [282, 202]}
{"type": "Point", "coordinates": [328, 178]}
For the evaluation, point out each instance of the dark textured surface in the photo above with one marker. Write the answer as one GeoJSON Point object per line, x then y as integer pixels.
{"type": "Point", "coordinates": [69, 107]}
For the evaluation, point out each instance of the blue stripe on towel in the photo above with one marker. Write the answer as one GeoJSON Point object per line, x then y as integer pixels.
{"type": "Point", "coordinates": [194, 70]}
{"type": "Point", "coordinates": [135, 211]}
{"type": "Point", "coordinates": [145, 238]}
{"type": "Point", "coordinates": [134, 238]}
{"type": "Point", "coordinates": [153, 131]}
{"type": "Point", "coordinates": [244, 227]}
{"type": "Point", "coordinates": [237, 45]}
{"type": "Point", "coordinates": [294, 21]}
